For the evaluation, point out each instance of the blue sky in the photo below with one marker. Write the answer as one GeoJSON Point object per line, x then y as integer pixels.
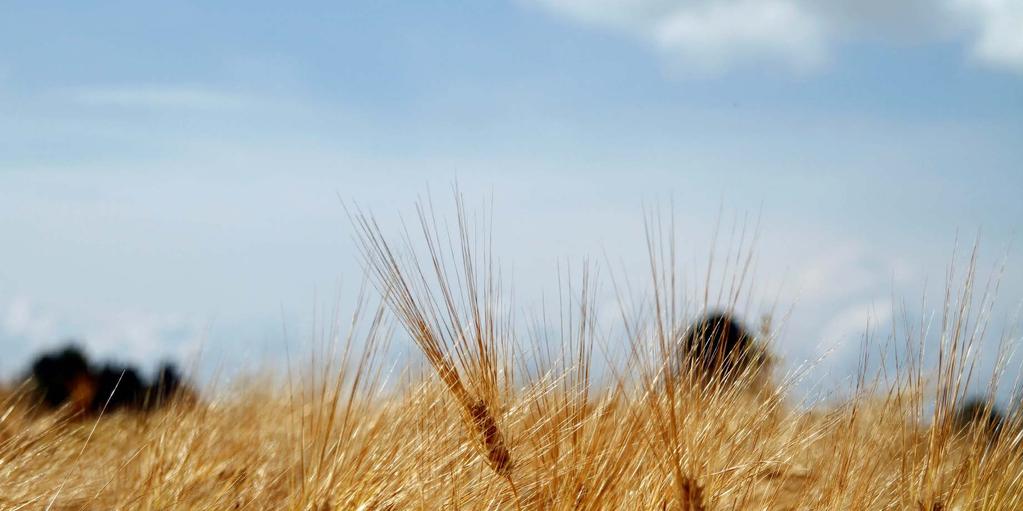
{"type": "Point", "coordinates": [169, 172]}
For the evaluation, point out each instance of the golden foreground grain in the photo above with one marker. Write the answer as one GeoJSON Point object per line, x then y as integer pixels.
{"type": "Point", "coordinates": [411, 450]}
{"type": "Point", "coordinates": [561, 415]}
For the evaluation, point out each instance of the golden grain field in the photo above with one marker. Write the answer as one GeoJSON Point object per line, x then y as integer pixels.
{"type": "Point", "coordinates": [502, 417]}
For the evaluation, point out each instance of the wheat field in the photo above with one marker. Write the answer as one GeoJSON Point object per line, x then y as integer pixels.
{"type": "Point", "coordinates": [561, 416]}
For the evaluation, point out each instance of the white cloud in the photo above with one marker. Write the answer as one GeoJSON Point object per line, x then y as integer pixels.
{"type": "Point", "coordinates": [710, 35]}
{"type": "Point", "coordinates": [849, 269]}
{"type": "Point", "coordinates": [999, 31]}
{"type": "Point", "coordinates": [25, 320]}
{"type": "Point", "coordinates": [141, 337]}
{"type": "Point", "coordinates": [838, 272]}
{"type": "Point", "coordinates": [839, 335]}
{"type": "Point", "coordinates": [125, 335]}
{"type": "Point", "coordinates": [718, 33]}
{"type": "Point", "coordinates": [159, 97]}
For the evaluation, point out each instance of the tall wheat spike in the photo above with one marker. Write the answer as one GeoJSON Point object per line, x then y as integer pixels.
{"type": "Point", "coordinates": [453, 317]}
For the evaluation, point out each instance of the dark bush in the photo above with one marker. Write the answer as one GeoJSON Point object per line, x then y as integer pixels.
{"type": "Point", "coordinates": [65, 377]}
{"type": "Point", "coordinates": [61, 375]}
{"type": "Point", "coordinates": [717, 347]}
{"type": "Point", "coordinates": [980, 415]}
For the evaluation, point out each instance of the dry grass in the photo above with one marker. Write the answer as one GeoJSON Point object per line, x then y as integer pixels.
{"type": "Point", "coordinates": [509, 419]}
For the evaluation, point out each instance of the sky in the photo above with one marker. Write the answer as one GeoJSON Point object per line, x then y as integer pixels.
{"type": "Point", "coordinates": [171, 174]}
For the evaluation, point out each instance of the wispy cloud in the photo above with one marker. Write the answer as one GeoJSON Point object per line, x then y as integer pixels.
{"type": "Point", "coordinates": [142, 336]}
{"type": "Point", "coordinates": [717, 33]}
{"type": "Point", "coordinates": [127, 335]}
{"type": "Point", "coordinates": [849, 269]}
{"type": "Point", "coordinates": [160, 97]}
{"type": "Point", "coordinates": [708, 35]}
{"type": "Point", "coordinates": [838, 335]}
{"type": "Point", "coordinates": [999, 31]}
{"type": "Point", "coordinates": [25, 320]}
{"type": "Point", "coordinates": [838, 342]}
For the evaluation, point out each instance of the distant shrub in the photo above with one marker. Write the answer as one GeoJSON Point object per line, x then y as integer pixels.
{"type": "Point", "coordinates": [717, 347]}
{"type": "Point", "coordinates": [66, 378]}
{"type": "Point", "coordinates": [980, 415]}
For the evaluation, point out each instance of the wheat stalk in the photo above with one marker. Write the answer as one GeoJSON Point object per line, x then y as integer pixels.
{"type": "Point", "coordinates": [452, 319]}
